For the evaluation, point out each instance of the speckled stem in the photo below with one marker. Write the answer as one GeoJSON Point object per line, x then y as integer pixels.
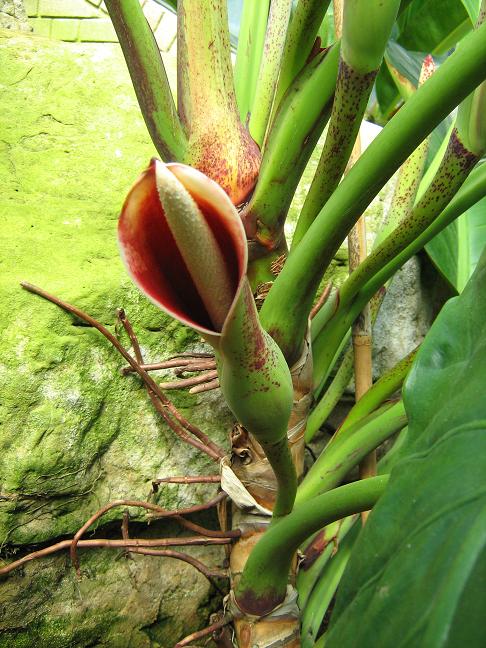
{"type": "Point", "coordinates": [454, 169]}
{"type": "Point", "coordinates": [291, 140]}
{"type": "Point", "coordinates": [409, 176]}
{"type": "Point", "coordinates": [285, 311]}
{"type": "Point", "coordinates": [218, 143]}
{"type": "Point", "coordinates": [278, 21]}
{"type": "Point", "coordinates": [456, 165]}
{"type": "Point", "coordinates": [149, 78]}
{"type": "Point", "coordinates": [352, 93]}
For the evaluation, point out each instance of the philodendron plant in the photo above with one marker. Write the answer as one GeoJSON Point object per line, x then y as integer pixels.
{"type": "Point", "coordinates": [202, 235]}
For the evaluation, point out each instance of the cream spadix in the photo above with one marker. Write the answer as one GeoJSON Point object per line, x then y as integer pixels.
{"type": "Point", "coordinates": [183, 244]}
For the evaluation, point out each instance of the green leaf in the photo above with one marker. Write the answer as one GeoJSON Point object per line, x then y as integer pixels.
{"type": "Point", "coordinates": [433, 26]}
{"type": "Point", "coordinates": [416, 572]}
{"type": "Point", "coordinates": [472, 8]}
{"type": "Point", "coordinates": [457, 249]}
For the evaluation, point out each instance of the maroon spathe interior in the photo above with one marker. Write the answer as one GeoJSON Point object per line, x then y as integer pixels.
{"type": "Point", "coordinates": [154, 260]}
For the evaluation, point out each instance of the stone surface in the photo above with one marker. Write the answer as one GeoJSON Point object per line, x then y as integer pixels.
{"type": "Point", "coordinates": [75, 434]}
{"type": "Point", "coordinates": [13, 15]}
{"type": "Point", "coordinates": [87, 21]}
{"type": "Point", "coordinates": [120, 602]}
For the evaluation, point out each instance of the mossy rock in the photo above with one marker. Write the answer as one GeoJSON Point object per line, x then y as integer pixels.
{"type": "Point", "coordinates": [74, 433]}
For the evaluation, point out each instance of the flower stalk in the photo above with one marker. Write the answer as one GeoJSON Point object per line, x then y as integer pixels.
{"type": "Point", "coordinates": [184, 246]}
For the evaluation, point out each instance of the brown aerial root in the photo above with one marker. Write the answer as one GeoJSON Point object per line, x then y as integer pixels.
{"type": "Point", "coordinates": [322, 300]}
{"type": "Point", "coordinates": [171, 415]}
{"type": "Point", "coordinates": [216, 536]}
{"type": "Point", "coordinates": [202, 363]}
{"type": "Point", "coordinates": [183, 363]}
{"type": "Point", "coordinates": [200, 634]}
{"type": "Point", "coordinates": [138, 545]}
{"type": "Point", "coordinates": [193, 509]}
{"type": "Point", "coordinates": [186, 479]}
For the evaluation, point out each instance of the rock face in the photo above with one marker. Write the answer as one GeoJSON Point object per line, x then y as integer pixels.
{"type": "Point", "coordinates": [13, 15]}
{"type": "Point", "coordinates": [74, 433]}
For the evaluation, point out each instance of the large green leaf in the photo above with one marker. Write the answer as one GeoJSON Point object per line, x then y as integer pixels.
{"type": "Point", "coordinates": [417, 574]}
{"type": "Point", "coordinates": [457, 249]}
{"type": "Point", "coordinates": [472, 8]}
{"type": "Point", "coordinates": [433, 26]}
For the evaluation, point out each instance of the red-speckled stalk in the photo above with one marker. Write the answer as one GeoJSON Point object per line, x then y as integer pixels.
{"type": "Point", "coordinates": [219, 145]}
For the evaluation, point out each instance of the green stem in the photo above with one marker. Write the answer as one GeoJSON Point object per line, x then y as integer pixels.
{"type": "Point", "coordinates": [307, 576]}
{"type": "Point", "coordinates": [303, 28]}
{"type": "Point", "coordinates": [331, 397]}
{"type": "Point", "coordinates": [328, 347]}
{"type": "Point", "coordinates": [321, 597]}
{"type": "Point", "coordinates": [278, 21]}
{"type": "Point", "coordinates": [385, 387]}
{"type": "Point", "coordinates": [472, 191]}
{"type": "Point", "coordinates": [253, 25]}
{"type": "Point", "coordinates": [286, 309]}
{"type": "Point", "coordinates": [291, 140]}
{"type": "Point", "coordinates": [149, 78]}
{"type": "Point", "coordinates": [264, 580]}
{"type": "Point", "coordinates": [352, 93]}
{"type": "Point", "coordinates": [456, 165]}
{"type": "Point", "coordinates": [347, 450]}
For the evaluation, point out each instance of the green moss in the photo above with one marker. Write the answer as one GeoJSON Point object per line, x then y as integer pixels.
{"type": "Point", "coordinates": [74, 433]}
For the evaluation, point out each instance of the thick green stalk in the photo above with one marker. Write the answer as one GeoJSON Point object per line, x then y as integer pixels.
{"type": "Point", "coordinates": [287, 306]}
{"type": "Point", "coordinates": [253, 26]}
{"type": "Point", "coordinates": [256, 383]}
{"type": "Point", "coordinates": [302, 32]}
{"type": "Point", "coordinates": [385, 387]}
{"type": "Point", "coordinates": [261, 107]}
{"type": "Point", "coordinates": [456, 165]}
{"type": "Point", "coordinates": [264, 580]}
{"type": "Point", "coordinates": [291, 140]}
{"type": "Point", "coordinates": [331, 396]}
{"type": "Point", "coordinates": [149, 78]}
{"type": "Point", "coordinates": [472, 191]}
{"type": "Point", "coordinates": [321, 597]}
{"type": "Point", "coordinates": [330, 537]}
{"type": "Point", "coordinates": [367, 26]}
{"type": "Point", "coordinates": [366, 29]}
{"type": "Point", "coordinates": [218, 143]}
{"type": "Point", "coordinates": [347, 450]}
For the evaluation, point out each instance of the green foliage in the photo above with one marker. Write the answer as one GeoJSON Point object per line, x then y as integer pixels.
{"type": "Point", "coordinates": [419, 563]}
{"type": "Point", "coordinates": [456, 250]}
